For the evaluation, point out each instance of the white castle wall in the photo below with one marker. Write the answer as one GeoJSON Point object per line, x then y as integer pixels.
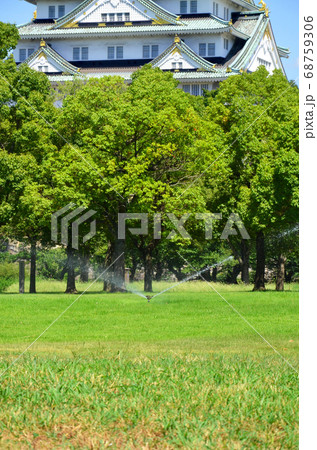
{"type": "Point", "coordinates": [136, 11]}
{"type": "Point", "coordinates": [132, 47]}
{"type": "Point", "coordinates": [203, 6]}
{"type": "Point", "coordinates": [265, 55]}
{"type": "Point", "coordinates": [45, 65]}
{"type": "Point", "coordinates": [42, 6]}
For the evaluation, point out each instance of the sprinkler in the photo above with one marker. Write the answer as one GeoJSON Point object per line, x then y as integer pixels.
{"type": "Point", "coordinates": [149, 298]}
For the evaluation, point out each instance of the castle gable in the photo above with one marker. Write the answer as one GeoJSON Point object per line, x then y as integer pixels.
{"type": "Point", "coordinates": [112, 12]}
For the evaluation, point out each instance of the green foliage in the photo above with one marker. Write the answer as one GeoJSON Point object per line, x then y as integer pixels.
{"type": "Point", "coordinates": [9, 272]}
{"type": "Point", "coordinates": [9, 37]}
{"type": "Point", "coordinates": [50, 263]}
{"type": "Point", "coordinates": [259, 172]}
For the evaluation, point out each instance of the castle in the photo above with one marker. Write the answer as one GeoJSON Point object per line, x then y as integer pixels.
{"type": "Point", "coordinates": [201, 42]}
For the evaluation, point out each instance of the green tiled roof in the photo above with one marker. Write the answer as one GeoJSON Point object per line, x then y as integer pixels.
{"type": "Point", "coordinates": [149, 4]}
{"type": "Point", "coordinates": [243, 57]}
{"type": "Point", "coordinates": [48, 51]}
{"type": "Point", "coordinates": [190, 26]}
{"type": "Point", "coordinates": [180, 76]}
{"type": "Point", "coordinates": [283, 51]}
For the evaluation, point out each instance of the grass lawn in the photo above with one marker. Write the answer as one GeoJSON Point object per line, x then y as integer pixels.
{"type": "Point", "coordinates": [183, 371]}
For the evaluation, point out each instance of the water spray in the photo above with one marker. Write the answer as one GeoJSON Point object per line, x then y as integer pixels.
{"type": "Point", "coordinates": [190, 277]}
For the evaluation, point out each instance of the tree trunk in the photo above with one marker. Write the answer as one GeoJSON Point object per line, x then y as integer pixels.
{"type": "Point", "coordinates": [232, 275]}
{"type": "Point", "coordinates": [148, 270]}
{"type": "Point", "coordinates": [133, 268]}
{"type": "Point", "coordinates": [280, 273]}
{"type": "Point", "coordinates": [245, 262]}
{"type": "Point", "coordinates": [118, 268]}
{"type": "Point", "coordinates": [214, 274]}
{"type": "Point", "coordinates": [109, 274]}
{"type": "Point", "coordinates": [159, 271]}
{"type": "Point", "coordinates": [71, 283]}
{"type": "Point", "coordinates": [33, 268]}
{"type": "Point", "coordinates": [206, 275]}
{"type": "Point", "coordinates": [84, 268]}
{"type": "Point", "coordinates": [21, 276]}
{"type": "Point", "coordinates": [259, 283]}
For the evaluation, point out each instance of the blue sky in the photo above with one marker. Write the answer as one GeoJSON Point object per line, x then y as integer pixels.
{"type": "Point", "coordinates": [284, 17]}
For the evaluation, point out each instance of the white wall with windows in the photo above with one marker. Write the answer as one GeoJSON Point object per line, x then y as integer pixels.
{"type": "Point", "coordinates": [198, 88]}
{"type": "Point", "coordinates": [220, 8]}
{"type": "Point", "coordinates": [46, 9]}
{"type": "Point", "coordinates": [113, 11]}
{"type": "Point", "coordinates": [125, 48]}
{"type": "Point", "coordinates": [111, 49]}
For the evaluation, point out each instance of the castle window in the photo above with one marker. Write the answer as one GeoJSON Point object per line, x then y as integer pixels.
{"type": "Point", "coordinates": [146, 51]}
{"type": "Point", "coordinates": [110, 52]}
{"type": "Point", "coordinates": [195, 89]}
{"type": "Point", "coordinates": [226, 44]}
{"type": "Point", "coordinates": [25, 53]}
{"type": "Point", "coordinates": [193, 7]}
{"type": "Point", "coordinates": [84, 53]}
{"type": "Point", "coordinates": [119, 52]}
{"type": "Point", "coordinates": [61, 10]}
{"type": "Point", "coordinates": [112, 17]}
{"type": "Point", "coordinates": [104, 17]}
{"type": "Point", "coordinates": [43, 69]}
{"type": "Point", "coordinates": [150, 51]}
{"type": "Point", "coordinates": [115, 52]}
{"type": "Point", "coordinates": [215, 8]}
{"type": "Point", "coordinates": [226, 13]}
{"type": "Point", "coordinates": [183, 7]}
{"type": "Point", "coordinates": [127, 17]}
{"type": "Point", "coordinates": [186, 88]}
{"type": "Point", "coordinates": [174, 65]}
{"type": "Point", "coordinates": [22, 54]}
{"type": "Point", "coordinates": [80, 53]}
{"type": "Point", "coordinates": [204, 87]}
{"type": "Point", "coordinates": [202, 49]}
{"type": "Point", "coordinates": [51, 12]}
{"type": "Point", "coordinates": [120, 17]}
{"type": "Point", "coordinates": [155, 51]}
{"type": "Point", "coordinates": [211, 49]}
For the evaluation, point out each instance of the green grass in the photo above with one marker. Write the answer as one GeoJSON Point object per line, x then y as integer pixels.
{"type": "Point", "coordinates": [183, 371]}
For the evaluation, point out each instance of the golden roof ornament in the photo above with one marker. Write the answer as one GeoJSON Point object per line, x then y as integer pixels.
{"type": "Point", "coordinates": [177, 40]}
{"type": "Point", "coordinates": [43, 43]}
{"type": "Point", "coordinates": [35, 15]}
{"type": "Point", "coordinates": [230, 22]}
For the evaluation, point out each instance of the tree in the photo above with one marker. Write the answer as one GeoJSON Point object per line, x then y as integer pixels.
{"type": "Point", "coordinates": [258, 173]}
{"type": "Point", "coordinates": [140, 141]}
{"type": "Point", "coordinates": [9, 37]}
{"type": "Point", "coordinates": [26, 106]}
